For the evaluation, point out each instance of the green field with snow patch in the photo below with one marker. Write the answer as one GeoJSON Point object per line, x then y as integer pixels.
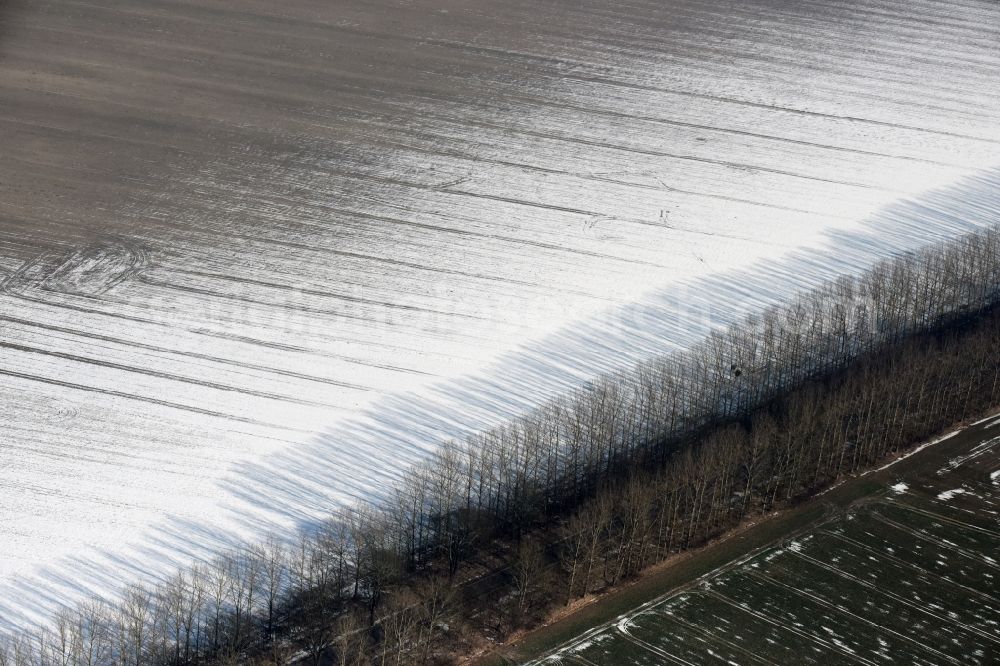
{"type": "Point", "coordinates": [909, 575]}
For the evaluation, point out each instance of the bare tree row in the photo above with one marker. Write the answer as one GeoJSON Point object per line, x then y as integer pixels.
{"type": "Point", "coordinates": [782, 452]}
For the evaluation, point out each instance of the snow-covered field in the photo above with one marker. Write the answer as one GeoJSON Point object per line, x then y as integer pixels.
{"type": "Point", "coordinates": [257, 258]}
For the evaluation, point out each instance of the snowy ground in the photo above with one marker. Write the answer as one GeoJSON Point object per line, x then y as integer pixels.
{"type": "Point", "coordinates": [909, 578]}
{"type": "Point", "coordinates": [254, 263]}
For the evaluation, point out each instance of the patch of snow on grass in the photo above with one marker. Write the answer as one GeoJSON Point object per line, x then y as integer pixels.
{"type": "Point", "coordinates": [594, 640]}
